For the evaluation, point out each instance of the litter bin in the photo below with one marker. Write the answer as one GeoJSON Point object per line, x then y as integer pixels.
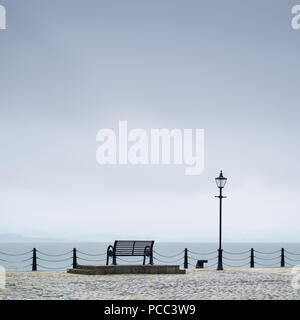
{"type": "Point", "coordinates": [200, 264]}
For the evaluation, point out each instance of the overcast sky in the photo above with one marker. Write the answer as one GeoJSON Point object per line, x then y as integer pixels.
{"type": "Point", "coordinates": [70, 68]}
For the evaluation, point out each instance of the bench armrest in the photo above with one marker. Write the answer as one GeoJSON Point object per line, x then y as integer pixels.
{"type": "Point", "coordinates": [147, 251]}
{"type": "Point", "coordinates": [110, 251]}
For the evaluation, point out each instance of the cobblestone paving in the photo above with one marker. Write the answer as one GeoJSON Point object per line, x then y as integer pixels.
{"type": "Point", "coordinates": [266, 283]}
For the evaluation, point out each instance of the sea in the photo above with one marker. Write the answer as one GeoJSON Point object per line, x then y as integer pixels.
{"type": "Point", "coordinates": [59, 256]}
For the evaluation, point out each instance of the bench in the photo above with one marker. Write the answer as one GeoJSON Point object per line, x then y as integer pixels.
{"type": "Point", "coordinates": [130, 248]}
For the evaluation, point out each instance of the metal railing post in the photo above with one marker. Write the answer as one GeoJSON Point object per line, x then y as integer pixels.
{"type": "Point", "coordinates": [282, 264]}
{"type": "Point", "coordinates": [74, 259]}
{"type": "Point", "coordinates": [34, 264]}
{"type": "Point", "coordinates": [186, 262]}
{"type": "Point", "coordinates": [252, 258]}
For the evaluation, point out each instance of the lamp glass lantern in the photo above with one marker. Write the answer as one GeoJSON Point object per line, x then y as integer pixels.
{"type": "Point", "coordinates": [221, 180]}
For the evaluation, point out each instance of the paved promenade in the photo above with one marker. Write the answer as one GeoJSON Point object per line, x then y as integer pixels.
{"type": "Point", "coordinates": [266, 283]}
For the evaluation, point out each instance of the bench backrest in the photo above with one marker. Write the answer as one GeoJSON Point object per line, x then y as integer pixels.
{"type": "Point", "coordinates": [132, 247]}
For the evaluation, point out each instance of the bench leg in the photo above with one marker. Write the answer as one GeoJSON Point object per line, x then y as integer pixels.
{"type": "Point", "coordinates": [114, 260]}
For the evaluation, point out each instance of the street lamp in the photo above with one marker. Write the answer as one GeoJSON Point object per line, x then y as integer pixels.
{"type": "Point", "coordinates": [220, 181]}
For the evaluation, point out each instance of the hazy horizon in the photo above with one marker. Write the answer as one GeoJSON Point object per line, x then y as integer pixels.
{"type": "Point", "coordinates": [29, 240]}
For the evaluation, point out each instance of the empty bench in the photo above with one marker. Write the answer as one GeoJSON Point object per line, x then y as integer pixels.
{"type": "Point", "coordinates": [130, 248]}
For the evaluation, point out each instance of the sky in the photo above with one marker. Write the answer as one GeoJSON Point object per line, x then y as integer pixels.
{"type": "Point", "coordinates": [70, 68]}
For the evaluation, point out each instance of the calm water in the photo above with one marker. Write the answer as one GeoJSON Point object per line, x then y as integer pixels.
{"type": "Point", "coordinates": [58, 256]}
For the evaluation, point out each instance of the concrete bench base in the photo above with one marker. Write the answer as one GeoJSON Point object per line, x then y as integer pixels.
{"type": "Point", "coordinates": [127, 269]}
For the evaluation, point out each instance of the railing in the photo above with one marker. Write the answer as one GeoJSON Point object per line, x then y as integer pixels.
{"type": "Point", "coordinates": [36, 260]}
{"type": "Point", "coordinates": [250, 258]}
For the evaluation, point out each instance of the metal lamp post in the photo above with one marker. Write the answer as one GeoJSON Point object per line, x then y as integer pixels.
{"type": "Point", "coordinates": [220, 181]}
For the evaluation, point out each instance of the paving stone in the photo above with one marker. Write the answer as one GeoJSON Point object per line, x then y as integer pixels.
{"type": "Point", "coordinates": [257, 283]}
